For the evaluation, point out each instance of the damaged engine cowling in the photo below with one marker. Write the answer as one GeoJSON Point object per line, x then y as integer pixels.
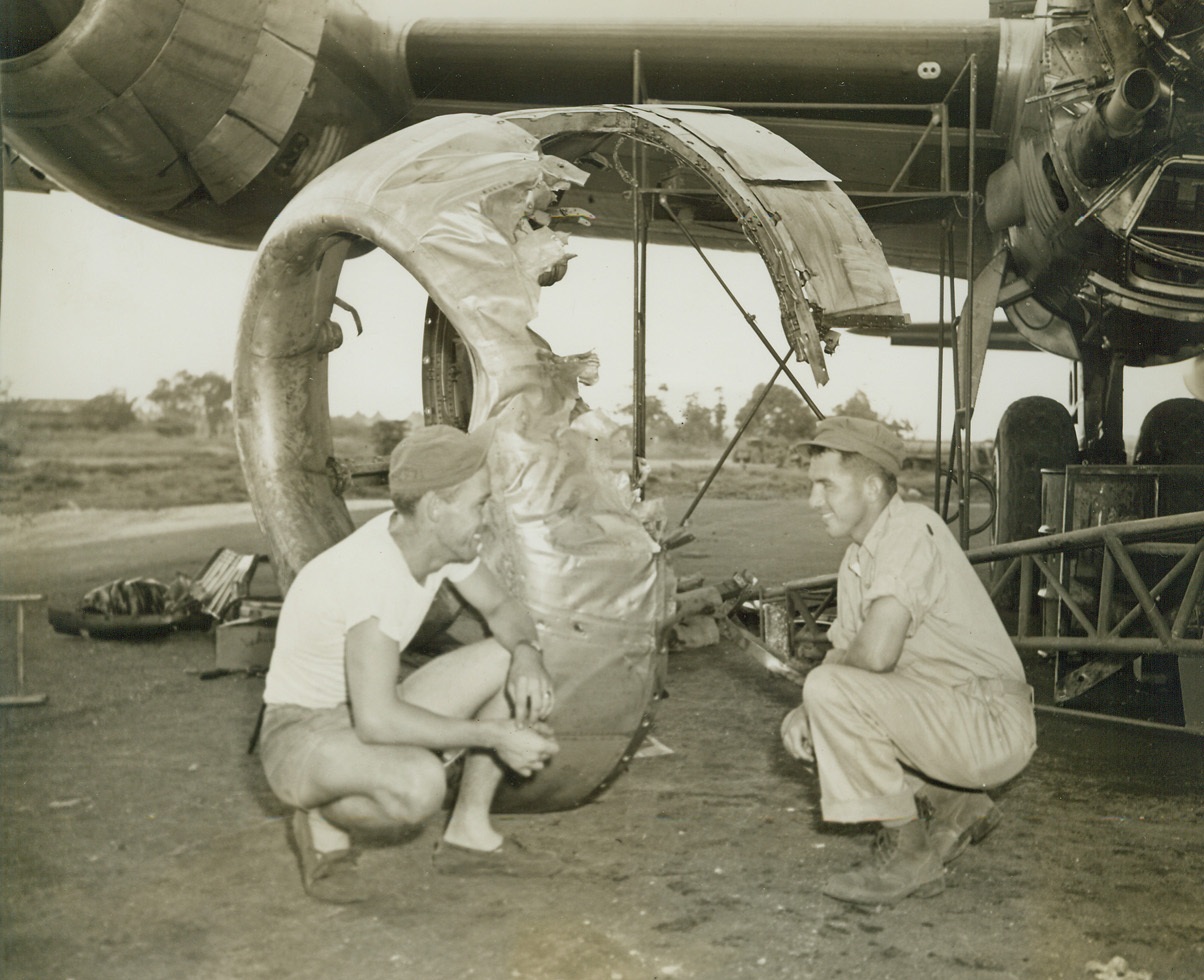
{"type": "Point", "coordinates": [460, 202]}
{"type": "Point", "coordinates": [450, 201]}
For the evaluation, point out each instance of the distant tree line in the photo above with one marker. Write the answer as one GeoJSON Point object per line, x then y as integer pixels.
{"type": "Point", "coordinates": [186, 404]}
{"type": "Point", "coordinates": [778, 417]}
{"type": "Point", "coordinates": [200, 405]}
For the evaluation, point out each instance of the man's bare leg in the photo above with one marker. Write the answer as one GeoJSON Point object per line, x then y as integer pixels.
{"type": "Point", "coordinates": [470, 824]}
{"type": "Point", "coordinates": [353, 785]}
{"type": "Point", "coordinates": [471, 845]}
{"type": "Point", "coordinates": [440, 686]}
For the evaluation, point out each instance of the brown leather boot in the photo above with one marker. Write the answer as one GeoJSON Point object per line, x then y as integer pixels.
{"type": "Point", "coordinates": [957, 819]}
{"type": "Point", "coordinates": [904, 863]}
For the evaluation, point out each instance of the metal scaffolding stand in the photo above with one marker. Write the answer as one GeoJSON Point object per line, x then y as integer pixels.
{"type": "Point", "coordinates": [962, 338]}
{"type": "Point", "coordinates": [1150, 576]}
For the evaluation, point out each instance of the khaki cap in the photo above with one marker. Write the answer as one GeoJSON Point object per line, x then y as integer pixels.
{"type": "Point", "coordinates": [437, 456]}
{"type": "Point", "coordinates": [873, 440]}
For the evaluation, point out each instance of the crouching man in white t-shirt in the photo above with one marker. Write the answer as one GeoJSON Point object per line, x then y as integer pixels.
{"type": "Point", "coordinates": [347, 745]}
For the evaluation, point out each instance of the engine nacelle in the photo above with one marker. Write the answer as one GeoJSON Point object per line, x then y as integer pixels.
{"type": "Point", "coordinates": [1102, 201]}
{"type": "Point", "coordinates": [199, 117]}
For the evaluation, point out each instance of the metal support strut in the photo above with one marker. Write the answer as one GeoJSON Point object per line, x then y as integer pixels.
{"type": "Point", "coordinates": [20, 698]}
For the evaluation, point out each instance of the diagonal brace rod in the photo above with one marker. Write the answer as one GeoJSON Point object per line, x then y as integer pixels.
{"type": "Point", "coordinates": [1075, 610]}
{"type": "Point", "coordinates": [1156, 591]}
{"type": "Point", "coordinates": [1189, 599]}
{"type": "Point", "coordinates": [937, 112]}
{"type": "Point", "coordinates": [706, 485]}
{"type": "Point", "coordinates": [1005, 577]}
{"type": "Point", "coordinates": [1148, 605]}
{"type": "Point", "coordinates": [748, 317]}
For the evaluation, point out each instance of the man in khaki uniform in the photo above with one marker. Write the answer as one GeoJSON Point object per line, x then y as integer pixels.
{"type": "Point", "coordinates": [922, 695]}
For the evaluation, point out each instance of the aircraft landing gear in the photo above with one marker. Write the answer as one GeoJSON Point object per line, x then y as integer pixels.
{"type": "Point", "coordinates": [1102, 407]}
{"type": "Point", "coordinates": [1172, 434]}
{"type": "Point", "coordinates": [1034, 433]}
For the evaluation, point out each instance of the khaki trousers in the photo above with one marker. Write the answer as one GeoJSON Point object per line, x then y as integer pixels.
{"type": "Point", "coordinates": [870, 729]}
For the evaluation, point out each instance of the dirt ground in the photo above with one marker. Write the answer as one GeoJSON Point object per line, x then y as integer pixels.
{"type": "Point", "coordinates": [141, 841]}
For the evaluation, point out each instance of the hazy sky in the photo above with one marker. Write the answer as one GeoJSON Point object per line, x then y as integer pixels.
{"type": "Point", "coordinates": [93, 302]}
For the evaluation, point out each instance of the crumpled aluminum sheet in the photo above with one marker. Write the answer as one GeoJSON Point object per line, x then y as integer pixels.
{"type": "Point", "coordinates": [562, 535]}
{"type": "Point", "coordinates": [567, 538]}
{"type": "Point", "coordinates": [450, 201]}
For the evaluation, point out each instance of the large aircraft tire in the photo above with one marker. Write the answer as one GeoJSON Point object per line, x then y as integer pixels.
{"type": "Point", "coordinates": [1172, 434]}
{"type": "Point", "coordinates": [1034, 433]}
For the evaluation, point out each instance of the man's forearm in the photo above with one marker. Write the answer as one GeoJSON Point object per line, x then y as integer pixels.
{"type": "Point", "coordinates": [878, 643]}
{"type": "Point", "coordinates": [512, 626]}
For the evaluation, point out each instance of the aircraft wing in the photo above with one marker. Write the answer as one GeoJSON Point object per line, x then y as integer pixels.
{"type": "Point", "coordinates": [1078, 131]}
{"type": "Point", "coordinates": [211, 116]}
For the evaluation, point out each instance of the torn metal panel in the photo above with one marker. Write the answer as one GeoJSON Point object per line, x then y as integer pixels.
{"type": "Point", "coordinates": [842, 263]}
{"type": "Point", "coordinates": [754, 152]}
{"type": "Point", "coordinates": [452, 202]}
{"type": "Point", "coordinates": [820, 254]}
{"type": "Point", "coordinates": [846, 271]}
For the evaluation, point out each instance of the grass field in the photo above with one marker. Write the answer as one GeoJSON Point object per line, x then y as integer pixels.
{"type": "Point", "coordinates": [139, 468]}
{"type": "Point", "coordinates": [134, 469]}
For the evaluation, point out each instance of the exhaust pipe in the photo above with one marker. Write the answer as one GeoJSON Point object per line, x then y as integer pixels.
{"type": "Point", "coordinates": [1099, 143]}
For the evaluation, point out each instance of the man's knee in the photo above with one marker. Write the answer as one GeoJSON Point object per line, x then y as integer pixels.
{"type": "Point", "coordinates": [823, 688]}
{"type": "Point", "coordinates": [411, 793]}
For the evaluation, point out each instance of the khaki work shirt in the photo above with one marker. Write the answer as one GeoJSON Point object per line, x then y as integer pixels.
{"type": "Point", "coordinates": [955, 634]}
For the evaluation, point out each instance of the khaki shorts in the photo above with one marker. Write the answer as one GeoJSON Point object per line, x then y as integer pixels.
{"type": "Point", "coordinates": [287, 741]}
{"type": "Point", "coordinates": [290, 732]}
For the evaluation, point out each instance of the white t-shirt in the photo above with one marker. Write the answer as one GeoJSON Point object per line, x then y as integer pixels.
{"type": "Point", "coordinates": [361, 577]}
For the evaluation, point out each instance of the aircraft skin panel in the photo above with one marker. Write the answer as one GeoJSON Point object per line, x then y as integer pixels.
{"type": "Point", "coordinates": [149, 176]}
{"type": "Point", "coordinates": [49, 88]}
{"type": "Point", "coordinates": [230, 156]}
{"type": "Point", "coordinates": [299, 23]}
{"type": "Point", "coordinates": [840, 146]}
{"type": "Point", "coordinates": [206, 85]}
{"type": "Point", "coordinates": [273, 87]}
{"type": "Point", "coordinates": [754, 152]}
{"type": "Point", "coordinates": [20, 176]}
{"type": "Point", "coordinates": [137, 31]}
{"type": "Point", "coordinates": [115, 46]}
{"type": "Point", "coordinates": [844, 263]}
{"type": "Point", "coordinates": [202, 65]}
